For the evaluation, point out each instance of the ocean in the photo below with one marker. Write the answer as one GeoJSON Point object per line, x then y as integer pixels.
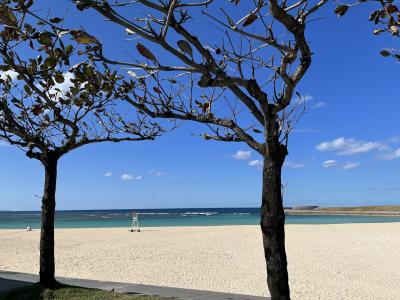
{"type": "Point", "coordinates": [168, 217]}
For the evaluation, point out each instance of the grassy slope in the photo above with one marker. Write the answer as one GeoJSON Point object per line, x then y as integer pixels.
{"type": "Point", "coordinates": [64, 292]}
{"type": "Point", "coordinates": [394, 208]}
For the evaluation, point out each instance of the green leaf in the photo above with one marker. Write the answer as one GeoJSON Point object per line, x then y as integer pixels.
{"type": "Point", "coordinates": [27, 89]}
{"type": "Point", "coordinates": [69, 49]}
{"type": "Point", "coordinates": [341, 10]}
{"type": "Point", "coordinates": [391, 8]}
{"type": "Point", "coordinates": [56, 20]}
{"type": "Point", "coordinates": [59, 78]}
{"type": "Point", "coordinates": [83, 4]}
{"type": "Point", "coordinates": [37, 110]}
{"type": "Point", "coordinates": [28, 28]}
{"type": "Point", "coordinates": [385, 53]}
{"type": "Point", "coordinates": [45, 38]}
{"type": "Point", "coordinates": [49, 62]}
{"type": "Point", "coordinates": [375, 16]}
{"type": "Point", "coordinates": [5, 68]}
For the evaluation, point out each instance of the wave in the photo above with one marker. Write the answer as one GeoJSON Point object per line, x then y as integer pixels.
{"type": "Point", "coordinates": [139, 213]}
{"type": "Point", "coordinates": [192, 213]}
{"type": "Point", "coordinates": [22, 214]}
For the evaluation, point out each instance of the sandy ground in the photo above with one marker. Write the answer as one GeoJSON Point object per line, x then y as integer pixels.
{"type": "Point", "coordinates": [352, 261]}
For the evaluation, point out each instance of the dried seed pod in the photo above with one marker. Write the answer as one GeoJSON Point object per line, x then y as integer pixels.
{"type": "Point", "coordinates": [82, 37]}
{"type": "Point", "coordinates": [145, 52]}
{"type": "Point", "coordinates": [249, 20]}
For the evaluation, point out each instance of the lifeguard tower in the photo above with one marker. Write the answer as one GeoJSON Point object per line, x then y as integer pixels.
{"type": "Point", "coordinates": [135, 223]}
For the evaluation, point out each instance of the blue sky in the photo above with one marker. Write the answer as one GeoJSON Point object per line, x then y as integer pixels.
{"type": "Point", "coordinates": [343, 151]}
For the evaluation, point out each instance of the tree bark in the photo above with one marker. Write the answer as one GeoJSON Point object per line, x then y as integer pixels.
{"type": "Point", "coordinates": [47, 263]}
{"type": "Point", "coordinates": [273, 221]}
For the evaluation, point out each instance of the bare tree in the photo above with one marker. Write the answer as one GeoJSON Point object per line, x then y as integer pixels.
{"type": "Point", "coordinates": [387, 18]}
{"type": "Point", "coordinates": [48, 108]}
{"type": "Point", "coordinates": [254, 68]}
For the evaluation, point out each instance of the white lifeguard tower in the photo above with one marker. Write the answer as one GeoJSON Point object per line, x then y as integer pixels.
{"type": "Point", "coordinates": [135, 223]}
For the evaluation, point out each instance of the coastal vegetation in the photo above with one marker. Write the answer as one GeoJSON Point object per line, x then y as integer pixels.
{"type": "Point", "coordinates": [376, 208]}
{"type": "Point", "coordinates": [50, 107]}
{"type": "Point", "coordinates": [252, 70]}
{"type": "Point", "coordinates": [67, 292]}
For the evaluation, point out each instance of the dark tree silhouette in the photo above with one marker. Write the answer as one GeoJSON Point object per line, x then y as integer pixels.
{"type": "Point", "coordinates": [255, 67]}
{"type": "Point", "coordinates": [386, 17]}
{"type": "Point", "coordinates": [49, 108]}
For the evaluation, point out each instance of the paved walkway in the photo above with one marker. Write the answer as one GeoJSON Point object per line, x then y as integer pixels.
{"type": "Point", "coordinates": [10, 280]}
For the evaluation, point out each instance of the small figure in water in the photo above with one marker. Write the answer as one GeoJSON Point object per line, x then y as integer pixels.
{"type": "Point", "coordinates": [29, 228]}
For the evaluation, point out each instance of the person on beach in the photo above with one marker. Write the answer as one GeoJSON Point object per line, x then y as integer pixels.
{"type": "Point", "coordinates": [135, 222]}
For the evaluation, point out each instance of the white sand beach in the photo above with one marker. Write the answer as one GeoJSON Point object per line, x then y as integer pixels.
{"type": "Point", "coordinates": [347, 261]}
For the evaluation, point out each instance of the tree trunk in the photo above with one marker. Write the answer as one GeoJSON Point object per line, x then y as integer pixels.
{"type": "Point", "coordinates": [273, 222]}
{"type": "Point", "coordinates": [47, 264]}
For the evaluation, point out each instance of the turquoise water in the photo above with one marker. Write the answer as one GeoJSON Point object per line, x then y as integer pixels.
{"type": "Point", "coordinates": [170, 217]}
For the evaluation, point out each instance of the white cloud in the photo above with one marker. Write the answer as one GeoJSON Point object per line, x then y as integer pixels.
{"type": "Point", "coordinates": [391, 155]}
{"type": "Point", "coordinates": [11, 73]}
{"type": "Point", "coordinates": [65, 86]}
{"type": "Point", "coordinates": [241, 155]}
{"type": "Point", "coordinates": [344, 166]}
{"type": "Point", "coordinates": [259, 163]}
{"type": "Point", "coordinates": [319, 105]}
{"type": "Point", "coordinates": [350, 146]}
{"type": "Point", "coordinates": [156, 173]}
{"type": "Point", "coordinates": [305, 98]}
{"type": "Point", "coordinates": [329, 164]}
{"type": "Point", "coordinates": [334, 145]}
{"type": "Point", "coordinates": [305, 130]}
{"type": "Point", "coordinates": [127, 177]}
{"type": "Point", "coordinates": [350, 165]}
{"type": "Point", "coordinates": [255, 163]}
{"type": "Point", "coordinates": [292, 165]}
{"type": "Point", "coordinates": [108, 174]}
{"type": "Point", "coordinates": [361, 148]}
